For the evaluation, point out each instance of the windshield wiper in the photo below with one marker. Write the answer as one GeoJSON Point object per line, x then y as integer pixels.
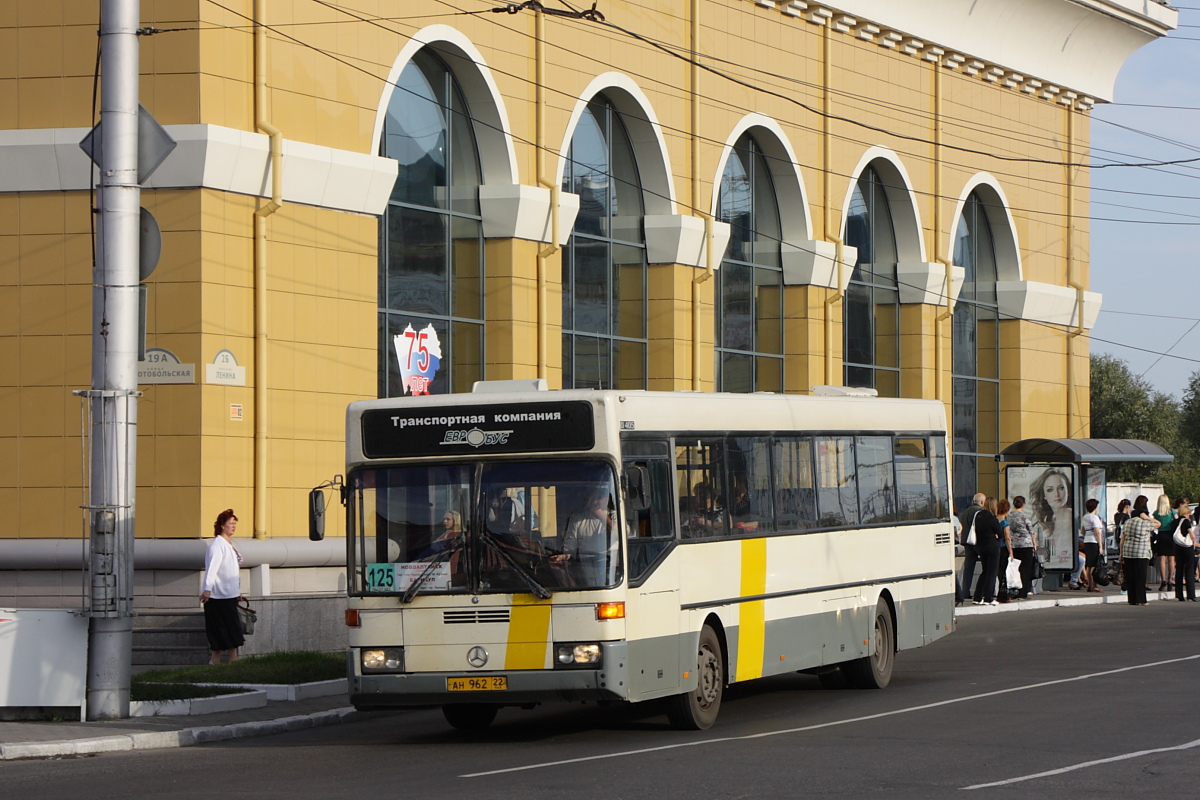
{"type": "Point", "coordinates": [441, 557]}
{"type": "Point", "coordinates": [540, 591]}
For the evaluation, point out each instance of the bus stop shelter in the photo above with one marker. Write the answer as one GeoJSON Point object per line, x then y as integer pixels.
{"type": "Point", "coordinates": [1058, 476]}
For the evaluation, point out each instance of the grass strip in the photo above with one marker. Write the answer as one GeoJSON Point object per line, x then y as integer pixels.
{"type": "Point", "coordinates": [178, 691]}
{"type": "Point", "coordinates": [285, 668]}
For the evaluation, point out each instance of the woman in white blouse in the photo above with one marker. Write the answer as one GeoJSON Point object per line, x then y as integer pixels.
{"type": "Point", "coordinates": [222, 590]}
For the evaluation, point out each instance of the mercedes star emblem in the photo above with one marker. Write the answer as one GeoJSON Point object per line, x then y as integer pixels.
{"type": "Point", "coordinates": [477, 657]}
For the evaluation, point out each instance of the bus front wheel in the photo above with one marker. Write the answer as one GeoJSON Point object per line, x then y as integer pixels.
{"type": "Point", "coordinates": [874, 671]}
{"type": "Point", "coordinates": [470, 716]}
{"type": "Point", "coordinates": [697, 710]}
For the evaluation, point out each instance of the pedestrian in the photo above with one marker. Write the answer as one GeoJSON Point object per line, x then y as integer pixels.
{"type": "Point", "coordinates": [986, 550]}
{"type": "Point", "coordinates": [1024, 544]}
{"type": "Point", "coordinates": [959, 551]}
{"type": "Point", "coordinates": [1119, 520]}
{"type": "Point", "coordinates": [1164, 548]}
{"type": "Point", "coordinates": [1185, 542]}
{"type": "Point", "coordinates": [1091, 535]}
{"type": "Point", "coordinates": [1004, 595]}
{"type": "Point", "coordinates": [222, 590]}
{"type": "Point", "coordinates": [1135, 550]}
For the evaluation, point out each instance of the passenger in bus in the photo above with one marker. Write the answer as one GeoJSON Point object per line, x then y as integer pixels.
{"type": "Point", "coordinates": [452, 532]}
{"type": "Point", "coordinates": [451, 538]}
{"type": "Point", "coordinates": [586, 541]}
{"type": "Point", "coordinates": [740, 510]}
{"type": "Point", "coordinates": [705, 511]}
{"type": "Point", "coordinates": [506, 512]}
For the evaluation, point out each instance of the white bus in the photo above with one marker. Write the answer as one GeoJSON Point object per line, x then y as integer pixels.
{"type": "Point", "coordinates": [507, 548]}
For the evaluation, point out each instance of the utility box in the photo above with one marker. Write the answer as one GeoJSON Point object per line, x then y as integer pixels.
{"type": "Point", "coordinates": [43, 661]}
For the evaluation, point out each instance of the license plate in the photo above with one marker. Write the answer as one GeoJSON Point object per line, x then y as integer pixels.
{"type": "Point", "coordinates": [478, 683]}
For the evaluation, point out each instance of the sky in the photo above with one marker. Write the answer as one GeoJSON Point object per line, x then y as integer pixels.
{"type": "Point", "coordinates": [1147, 271]}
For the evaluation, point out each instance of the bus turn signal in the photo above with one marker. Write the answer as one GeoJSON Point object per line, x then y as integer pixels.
{"type": "Point", "coordinates": [610, 611]}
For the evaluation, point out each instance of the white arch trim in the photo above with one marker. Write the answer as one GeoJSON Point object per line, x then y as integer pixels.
{"type": "Point", "coordinates": [645, 136]}
{"type": "Point", "coordinates": [1004, 231]}
{"type": "Point", "coordinates": [902, 202]}
{"type": "Point", "coordinates": [795, 219]}
{"type": "Point", "coordinates": [497, 156]}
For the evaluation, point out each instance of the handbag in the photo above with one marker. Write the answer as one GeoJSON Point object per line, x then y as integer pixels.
{"type": "Point", "coordinates": [1012, 574]}
{"type": "Point", "coordinates": [1039, 569]}
{"type": "Point", "coordinates": [1100, 574]}
{"type": "Point", "coordinates": [247, 616]}
{"type": "Point", "coordinates": [1180, 539]}
{"type": "Point", "coordinates": [971, 531]}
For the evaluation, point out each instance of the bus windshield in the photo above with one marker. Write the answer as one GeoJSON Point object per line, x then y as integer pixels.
{"type": "Point", "coordinates": [534, 527]}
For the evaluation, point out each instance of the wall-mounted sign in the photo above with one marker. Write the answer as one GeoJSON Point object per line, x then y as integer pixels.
{"type": "Point", "coordinates": [224, 370]}
{"type": "Point", "coordinates": [162, 366]}
{"type": "Point", "coordinates": [419, 354]}
{"type": "Point", "coordinates": [235, 412]}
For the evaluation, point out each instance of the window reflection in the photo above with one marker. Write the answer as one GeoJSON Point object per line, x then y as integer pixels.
{"type": "Point", "coordinates": [749, 288]}
{"type": "Point", "coordinates": [604, 263]}
{"type": "Point", "coordinates": [431, 253]}
{"type": "Point", "coordinates": [872, 307]}
{"type": "Point", "coordinates": [975, 361]}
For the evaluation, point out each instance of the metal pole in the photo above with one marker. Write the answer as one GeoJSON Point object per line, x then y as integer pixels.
{"type": "Point", "coordinates": [113, 397]}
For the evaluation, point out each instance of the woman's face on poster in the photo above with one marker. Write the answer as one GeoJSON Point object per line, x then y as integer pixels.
{"type": "Point", "coordinates": [1056, 492]}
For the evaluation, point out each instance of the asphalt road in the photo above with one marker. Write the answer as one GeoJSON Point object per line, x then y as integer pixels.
{"type": "Point", "coordinates": [1095, 702]}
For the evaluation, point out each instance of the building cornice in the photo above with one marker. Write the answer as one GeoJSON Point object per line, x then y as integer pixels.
{"type": "Point", "coordinates": [1062, 51]}
{"type": "Point", "coordinates": [208, 157]}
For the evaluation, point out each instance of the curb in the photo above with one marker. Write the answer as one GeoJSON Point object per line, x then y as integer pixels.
{"type": "Point", "coordinates": [1055, 602]}
{"type": "Point", "coordinates": [155, 740]}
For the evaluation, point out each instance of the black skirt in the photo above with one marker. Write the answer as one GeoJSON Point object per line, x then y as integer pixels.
{"type": "Point", "coordinates": [222, 625]}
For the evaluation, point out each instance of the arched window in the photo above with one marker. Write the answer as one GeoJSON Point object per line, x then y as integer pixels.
{"type": "Point", "coordinates": [431, 248]}
{"type": "Point", "coordinates": [749, 290]}
{"type": "Point", "coordinates": [604, 262]}
{"type": "Point", "coordinates": [871, 320]}
{"type": "Point", "coordinates": [976, 357]}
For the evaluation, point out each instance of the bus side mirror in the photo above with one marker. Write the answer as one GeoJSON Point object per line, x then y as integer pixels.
{"type": "Point", "coordinates": [316, 515]}
{"type": "Point", "coordinates": [636, 479]}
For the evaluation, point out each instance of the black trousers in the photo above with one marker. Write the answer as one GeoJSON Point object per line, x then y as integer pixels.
{"type": "Point", "coordinates": [1134, 570]}
{"type": "Point", "coordinates": [1028, 565]}
{"type": "Point", "coordinates": [985, 589]}
{"type": "Point", "coordinates": [970, 556]}
{"type": "Point", "coordinates": [1185, 571]}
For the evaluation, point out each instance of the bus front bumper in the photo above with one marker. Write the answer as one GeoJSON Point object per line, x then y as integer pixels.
{"type": "Point", "coordinates": [406, 690]}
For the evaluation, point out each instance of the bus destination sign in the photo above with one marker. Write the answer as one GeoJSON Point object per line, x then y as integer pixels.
{"type": "Point", "coordinates": [455, 430]}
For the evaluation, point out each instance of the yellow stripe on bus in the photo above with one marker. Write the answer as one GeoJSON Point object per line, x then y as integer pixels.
{"type": "Point", "coordinates": [528, 633]}
{"type": "Point", "coordinates": [752, 623]}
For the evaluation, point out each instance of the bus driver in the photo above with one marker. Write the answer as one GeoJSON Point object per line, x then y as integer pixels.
{"type": "Point", "coordinates": [587, 539]}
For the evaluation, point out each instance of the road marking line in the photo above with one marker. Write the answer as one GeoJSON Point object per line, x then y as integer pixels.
{"type": "Point", "coordinates": [818, 726]}
{"type": "Point", "coordinates": [1073, 767]}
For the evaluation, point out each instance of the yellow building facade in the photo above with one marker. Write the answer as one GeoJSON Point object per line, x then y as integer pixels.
{"type": "Point", "coordinates": [787, 194]}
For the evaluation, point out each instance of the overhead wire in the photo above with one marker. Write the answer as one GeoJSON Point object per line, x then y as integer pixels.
{"type": "Point", "coordinates": [1050, 326]}
{"type": "Point", "coordinates": [1017, 211]}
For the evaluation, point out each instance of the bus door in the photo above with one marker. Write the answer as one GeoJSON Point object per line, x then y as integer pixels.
{"type": "Point", "coordinates": [652, 613]}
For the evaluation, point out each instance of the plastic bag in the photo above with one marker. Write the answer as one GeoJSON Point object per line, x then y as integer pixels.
{"type": "Point", "coordinates": [1012, 574]}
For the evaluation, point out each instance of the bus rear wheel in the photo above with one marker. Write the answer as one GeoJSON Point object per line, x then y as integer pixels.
{"type": "Point", "coordinates": [874, 671]}
{"type": "Point", "coordinates": [697, 710]}
{"type": "Point", "coordinates": [470, 716]}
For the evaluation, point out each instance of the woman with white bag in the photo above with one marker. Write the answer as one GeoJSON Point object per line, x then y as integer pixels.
{"type": "Point", "coordinates": [1184, 538]}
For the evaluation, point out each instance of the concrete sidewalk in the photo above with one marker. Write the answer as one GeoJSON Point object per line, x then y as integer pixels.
{"type": "Point", "coordinates": [1059, 597]}
{"type": "Point", "coordinates": [38, 739]}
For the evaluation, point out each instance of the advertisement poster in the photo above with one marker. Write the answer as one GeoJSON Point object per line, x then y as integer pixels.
{"type": "Point", "coordinates": [1095, 488]}
{"type": "Point", "coordinates": [1049, 492]}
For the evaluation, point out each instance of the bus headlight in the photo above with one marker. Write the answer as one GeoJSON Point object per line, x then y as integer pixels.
{"type": "Point", "coordinates": [585, 654]}
{"type": "Point", "coordinates": [387, 659]}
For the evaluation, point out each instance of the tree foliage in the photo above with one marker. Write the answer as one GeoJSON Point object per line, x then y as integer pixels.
{"type": "Point", "coordinates": [1125, 406]}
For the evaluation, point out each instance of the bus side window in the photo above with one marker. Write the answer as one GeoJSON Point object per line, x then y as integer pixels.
{"type": "Point", "coordinates": [649, 516]}
{"type": "Point", "coordinates": [796, 496]}
{"type": "Point", "coordinates": [703, 502]}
